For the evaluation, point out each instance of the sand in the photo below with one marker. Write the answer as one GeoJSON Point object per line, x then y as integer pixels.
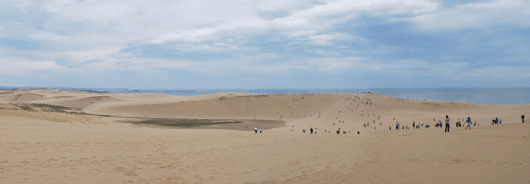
{"type": "Point", "coordinates": [55, 147]}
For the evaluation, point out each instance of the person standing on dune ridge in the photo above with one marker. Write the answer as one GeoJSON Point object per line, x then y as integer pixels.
{"type": "Point", "coordinates": [522, 117]}
{"type": "Point", "coordinates": [447, 123]}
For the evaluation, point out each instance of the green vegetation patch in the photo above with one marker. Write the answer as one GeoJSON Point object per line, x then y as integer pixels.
{"type": "Point", "coordinates": [183, 123]}
{"type": "Point", "coordinates": [23, 107]}
{"type": "Point", "coordinates": [54, 108]}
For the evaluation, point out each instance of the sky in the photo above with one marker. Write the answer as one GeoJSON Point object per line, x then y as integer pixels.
{"type": "Point", "coordinates": [273, 44]}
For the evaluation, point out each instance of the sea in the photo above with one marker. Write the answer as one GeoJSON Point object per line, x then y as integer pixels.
{"type": "Point", "coordinates": [497, 96]}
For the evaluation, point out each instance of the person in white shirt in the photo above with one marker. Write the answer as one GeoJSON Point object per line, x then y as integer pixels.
{"type": "Point", "coordinates": [256, 130]}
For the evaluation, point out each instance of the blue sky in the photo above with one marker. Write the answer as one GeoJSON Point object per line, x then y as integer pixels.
{"type": "Point", "coordinates": [264, 44]}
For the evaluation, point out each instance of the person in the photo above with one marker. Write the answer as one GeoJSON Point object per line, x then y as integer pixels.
{"type": "Point", "coordinates": [311, 131]}
{"type": "Point", "coordinates": [315, 131]}
{"type": "Point", "coordinates": [255, 130]}
{"type": "Point", "coordinates": [496, 120]}
{"type": "Point", "coordinates": [397, 125]}
{"type": "Point", "coordinates": [303, 130]}
{"type": "Point", "coordinates": [522, 117]}
{"type": "Point", "coordinates": [447, 123]}
{"type": "Point", "coordinates": [260, 130]}
{"type": "Point", "coordinates": [468, 123]}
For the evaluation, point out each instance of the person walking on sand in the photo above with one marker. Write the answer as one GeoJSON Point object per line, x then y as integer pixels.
{"type": "Point", "coordinates": [413, 125]}
{"type": "Point", "coordinates": [315, 131]}
{"type": "Point", "coordinates": [311, 131]}
{"type": "Point", "coordinates": [255, 130]}
{"type": "Point", "coordinates": [468, 123]}
{"type": "Point", "coordinates": [522, 117]}
{"type": "Point", "coordinates": [447, 123]}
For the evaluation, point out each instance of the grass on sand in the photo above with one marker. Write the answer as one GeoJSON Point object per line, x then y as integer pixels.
{"type": "Point", "coordinates": [165, 122]}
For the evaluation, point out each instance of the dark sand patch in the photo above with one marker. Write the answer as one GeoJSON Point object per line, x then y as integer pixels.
{"type": "Point", "coordinates": [247, 125]}
{"type": "Point", "coordinates": [177, 122]}
{"type": "Point", "coordinates": [222, 124]}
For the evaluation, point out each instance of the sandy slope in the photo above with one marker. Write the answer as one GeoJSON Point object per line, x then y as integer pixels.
{"type": "Point", "coordinates": [36, 148]}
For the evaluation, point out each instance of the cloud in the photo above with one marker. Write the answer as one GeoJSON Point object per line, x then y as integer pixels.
{"type": "Point", "coordinates": [269, 38]}
{"type": "Point", "coordinates": [18, 66]}
{"type": "Point", "coordinates": [327, 39]}
{"type": "Point", "coordinates": [475, 16]}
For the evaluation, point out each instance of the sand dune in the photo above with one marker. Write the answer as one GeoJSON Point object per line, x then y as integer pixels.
{"type": "Point", "coordinates": [85, 102]}
{"type": "Point", "coordinates": [25, 97]}
{"type": "Point", "coordinates": [7, 106]}
{"type": "Point", "coordinates": [53, 147]}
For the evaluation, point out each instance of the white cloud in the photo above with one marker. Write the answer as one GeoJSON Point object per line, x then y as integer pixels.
{"type": "Point", "coordinates": [310, 65]}
{"type": "Point", "coordinates": [327, 39]}
{"type": "Point", "coordinates": [329, 66]}
{"type": "Point", "coordinates": [475, 16]}
{"type": "Point", "coordinates": [77, 26]}
{"type": "Point", "coordinates": [98, 35]}
{"type": "Point", "coordinates": [184, 36]}
{"type": "Point", "coordinates": [498, 72]}
{"type": "Point", "coordinates": [17, 66]}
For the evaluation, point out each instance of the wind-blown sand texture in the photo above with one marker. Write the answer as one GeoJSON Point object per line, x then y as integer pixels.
{"type": "Point", "coordinates": [45, 146]}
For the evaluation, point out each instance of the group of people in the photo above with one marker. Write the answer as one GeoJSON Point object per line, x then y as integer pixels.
{"type": "Point", "coordinates": [468, 123]}
{"type": "Point", "coordinates": [256, 130]}
{"type": "Point", "coordinates": [398, 126]}
{"type": "Point", "coordinates": [426, 125]}
{"type": "Point", "coordinates": [447, 125]}
{"type": "Point", "coordinates": [311, 130]}
{"type": "Point", "coordinates": [496, 121]}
